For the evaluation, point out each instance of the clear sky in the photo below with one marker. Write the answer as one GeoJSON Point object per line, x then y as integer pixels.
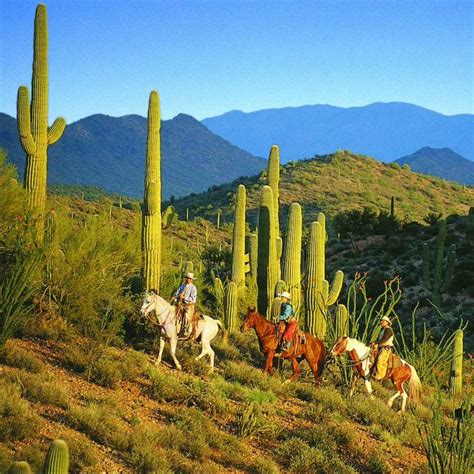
{"type": "Point", "coordinates": [207, 57]}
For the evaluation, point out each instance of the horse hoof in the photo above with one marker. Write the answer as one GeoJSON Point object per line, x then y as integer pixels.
{"type": "Point", "coordinates": [400, 412]}
{"type": "Point", "coordinates": [178, 367]}
{"type": "Point", "coordinates": [371, 397]}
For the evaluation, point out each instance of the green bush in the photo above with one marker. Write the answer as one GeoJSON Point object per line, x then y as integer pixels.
{"type": "Point", "coordinates": [15, 356]}
{"type": "Point", "coordinates": [16, 418]}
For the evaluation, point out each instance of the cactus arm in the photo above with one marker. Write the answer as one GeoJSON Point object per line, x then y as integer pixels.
{"type": "Point", "coordinates": [168, 217]}
{"type": "Point", "coordinates": [426, 267]}
{"type": "Point", "coordinates": [56, 130]}
{"type": "Point", "coordinates": [24, 125]}
{"type": "Point", "coordinates": [238, 240]}
{"type": "Point", "coordinates": [335, 288]}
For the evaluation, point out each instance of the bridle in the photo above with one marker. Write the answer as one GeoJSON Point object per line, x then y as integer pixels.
{"type": "Point", "coordinates": [145, 313]}
{"type": "Point", "coordinates": [350, 363]}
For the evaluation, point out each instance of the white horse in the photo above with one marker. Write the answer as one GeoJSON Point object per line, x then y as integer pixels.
{"type": "Point", "coordinates": [359, 354]}
{"type": "Point", "coordinates": [165, 317]}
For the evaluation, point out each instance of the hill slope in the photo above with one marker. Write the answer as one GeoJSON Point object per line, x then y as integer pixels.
{"type": "Point", "coordinates": [383, 130]}
{"type": "Point", "coordinates": [442, 162]}
{"type": "Point", "coordinates": [110, 152]}
{"type": "Point", "coordinates": [339, 182]}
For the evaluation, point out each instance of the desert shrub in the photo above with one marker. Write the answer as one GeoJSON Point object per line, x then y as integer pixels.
{"type": "Point", "coordinates": [167, 388]}
{"type": "Point", "coordinates": [245, 374]}
{"type": "Point", "coordinates": [298, 457]}
{"type": "Point", "coordinates": [395, 166]}
{"type": "Point", "coordinates": [15, 356]}
{"type": "Point", "coordinates": [83, 455]}
{"type": "Point", "coordinates": [263, 466]}
{"type": "Point", "coordinates": [106, 372]}
{"type": "Point", "coordinates": [100, 424]}
{"type": "Point", "coordinates": [17, 421]}
{"type": "Point", "coordinates": [144, 453]}
{"type": "Point", "coordinates": [40, 388]}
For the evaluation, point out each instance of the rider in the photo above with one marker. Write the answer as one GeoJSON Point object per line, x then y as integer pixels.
{"type": "Point", "coordinates": [384, 344]}
{"type": "Point", "coordinates": [287, 315]}
{"type": "Point", "coordinates": [186, 295]}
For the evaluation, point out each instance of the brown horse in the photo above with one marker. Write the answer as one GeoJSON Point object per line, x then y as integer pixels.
{"type": "Point", "coordinates": [359, 354]}
{"type": "Point", "coordinates": [312, 350]}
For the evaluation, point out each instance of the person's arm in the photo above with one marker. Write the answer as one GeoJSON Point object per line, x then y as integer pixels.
{"type": "Point", "coordinates": [190, 296]}
{"type": "Point", "coordinates": [286, 313]}
{"type": "Point", "coordinates": [178, 291]}
{"type": "Point", "coordinates": [387, 334]}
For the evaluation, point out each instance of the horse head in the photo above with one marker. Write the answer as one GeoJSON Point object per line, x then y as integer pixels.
{"type": "Point", "coordinates": [340, 347]}
{"type": "Point", "coordinates": [249, 320]}
{"type": "Point", "coordinates": [148, 303]}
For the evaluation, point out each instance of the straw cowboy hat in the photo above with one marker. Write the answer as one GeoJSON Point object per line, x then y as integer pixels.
{"type": "Point", "coordinates": [189, 275]}
{"type": "Point", "coordinates": [384, 318]}
{"type": "Point", "coordinates": [285, 294]}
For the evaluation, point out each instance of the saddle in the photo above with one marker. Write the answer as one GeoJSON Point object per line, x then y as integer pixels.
{"type": "Point", "coordinates": [297, 338]}
{"type": "Point", "coordinates": [183, 324]}
{"type": "Point", "coordinates": [394, 361]}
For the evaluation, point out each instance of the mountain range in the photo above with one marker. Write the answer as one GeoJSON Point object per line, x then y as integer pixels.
{"type": "Point", "coordinates": [385, 131]}
{"type": "Point", "coordinates": [110, 152]}
{"type": "Point", "coordinates": [442, 162]}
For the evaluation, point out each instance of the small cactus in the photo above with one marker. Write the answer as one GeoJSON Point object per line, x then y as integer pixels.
{"type": "Point", "coordinates": [342, 321]}
{"type": "Point", "coordinates": [188, 267]}
{"type": "Point", "coordinates": [231, 308]}
{"type": "Point", "coordinates": [435, 282]}
{"type": "Point", "coordinates": [57, 458]}
{"type": "Point", "coordinates": [248, 419]}
{"type": "Point", "coordinates": [455, 380]}
{"type": "Point", "coordinates": [20, 467]}
{"type": "Point", "coordinates": [238, 239]}
{"type": "Point", "coordinates": [218, 218]}
{"type": "Point", "coordinates": [168, 217]}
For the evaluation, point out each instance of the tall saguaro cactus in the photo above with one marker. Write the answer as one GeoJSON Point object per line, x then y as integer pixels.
{"type": "Point", "coordinates": [319, 295]}
{"type": "Point", "coordinates": [274, 182]}
{"type": "Point", "coordinates": [238, 240]}
{"type": "Point", "coordinates": [151, 210]}
{"type": "Point", "coordinates": [35, 136]}
{"type": "Point", "coordinates": [435, 282]}
{"type": "Point", "coordinates": [292, 257]}
{"type": "Point", "coordinates": [267, 274]}
{"type": "Point", "coordinates": [231, 308]}
{"type": "Point", "coordinates": [455, 381]}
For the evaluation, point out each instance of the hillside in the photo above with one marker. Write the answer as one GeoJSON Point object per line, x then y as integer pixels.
{"type": "Point", "coordinates": [442, 162]}
{"type": "Point", "coordinates": [385, 131]}
{"type": "Point", "coordinates": [109, 152]}
{"type": "Point", "coordinates": [339, 182]}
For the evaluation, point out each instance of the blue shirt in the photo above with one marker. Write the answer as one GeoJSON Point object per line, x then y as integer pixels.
{"type": "Point", "coordinates": [286, 312]}
{"type": "Point", "coordinates": [189, 292]}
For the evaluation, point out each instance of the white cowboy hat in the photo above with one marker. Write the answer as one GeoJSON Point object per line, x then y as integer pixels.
{"type": "Point", "coordinates": [189, 275]}
{"type": "Point", "coordinates": [285, 294]}
{"type": "Point", "coordinates": [385, 318]}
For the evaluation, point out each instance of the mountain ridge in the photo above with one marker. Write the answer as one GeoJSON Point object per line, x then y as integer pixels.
{"type": "Point", "coordinates": [109, 152]}
{"type": "Point", "coordinates": [383, 130]}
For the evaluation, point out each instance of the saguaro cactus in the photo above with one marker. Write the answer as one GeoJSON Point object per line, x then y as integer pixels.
{"type": "Point", "coordinates": [151, 210]}
{"type": "Point", "coordinates": [435, 283]}
{"type": "Point", "coordinates": [273, 182]}
{"type": "Point", "coordinates": [168, 217]}
{"type": "Point", "coordinates": [253, 255]}
{"type": "Point", "coordinates": [231, 308]}
{"type": "Point", "coordinates": [20, 467]}
{"type": "Point", "coordinates": [188, 267]}
{"type": "Point", "coordinates": [318, 295]}
{"type": "Point", "coordinates": [455, 380]}
{"type": "Point", "coordinates": [57, 458]}
{"type": "Point", "coordinates": [342, 321]}
{"type": "Point", "coordinates": [238, 240]}
{"type": "Point", "coordinates": [35, 136]}
{"type": "Point", "coordinates": [267, 274]}
{"type": "Point", "coordinates": [292, 256]}
{"type": "Point", "coordinates": [218, 218]}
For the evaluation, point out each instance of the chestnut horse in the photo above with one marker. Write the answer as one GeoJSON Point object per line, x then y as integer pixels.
{"type": "Point", "coordinates": [312, 350]}
{"type": "Point", "coordinates": [359, 354]}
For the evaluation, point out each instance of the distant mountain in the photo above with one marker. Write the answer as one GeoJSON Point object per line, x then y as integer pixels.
{"type": "Point", "coordinates": [442, 162]}
{"type": "Point", "coordinates": [110, 152]}
{"type": "Point", "coordinates": [385, 131]}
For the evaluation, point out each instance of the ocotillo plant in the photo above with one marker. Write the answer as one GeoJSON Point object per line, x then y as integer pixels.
{"type": "Point", "coordinates": [455, 380]}
{"type": "Point", "coordinates": [273, 182]}
{"type": "Point", "coordinates": [35, 136]}
{"type": "Point", "coordinates": [151, 209]}
{"type": "Point", "coordinates": [238, 239]}
{"type": "Point", "coordinates": [231, 308]}
{"type": "Point", "coordinates": [57, 458]}
{"type": "Point", "coordinates": [318, 295]}
{"type": "Point", "coordinates": [292, 257]}
{"type": "Point", "coordinates": [435, 282]}
{"type": "Point", "coordinates": [267, 274]}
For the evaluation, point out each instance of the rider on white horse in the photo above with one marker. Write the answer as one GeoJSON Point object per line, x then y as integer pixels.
{"type": "Point", "coordinates": [186, 295]}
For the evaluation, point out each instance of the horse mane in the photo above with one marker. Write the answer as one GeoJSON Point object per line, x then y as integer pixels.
{"type": "Point", "coordinates": [356, 344]}
{"type": "Point", "coordinates": [161, 299]}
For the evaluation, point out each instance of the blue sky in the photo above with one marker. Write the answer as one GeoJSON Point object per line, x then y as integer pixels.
{"type": "Point", "coordinates": [210, 56]}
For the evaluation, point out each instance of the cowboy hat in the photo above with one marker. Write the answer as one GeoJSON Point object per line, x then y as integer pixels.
{"type": "Point", "coordinates": [284, 294]}
{"type": "Point", "coordinates": [385, 318]}
{"type": "Point", "coordinates": [189, 275]}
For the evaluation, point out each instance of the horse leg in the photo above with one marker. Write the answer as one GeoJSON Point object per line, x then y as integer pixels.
{"type": "Point", "coordinates": [173, 344]}
{"type": "Point", "coordinates": [353, 384]}
{"type": "Point", "coordinates": [296, 369]}
{"type": "Point", "coordinates": [269, 362]}
{"type": "Point", "coordinates": [314, 368]}
{"type": "Point", "coordinates": [392, 399]}
{"type": "Point", "coordinates": [368, 386]}
{"type": "Point", "coordinates": [160, 352]}
{"type": "Point", "coordinates": [206, 349]}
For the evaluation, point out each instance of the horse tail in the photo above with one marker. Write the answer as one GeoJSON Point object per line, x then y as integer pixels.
{"type": "Point", "coordinates": [219, 323]}
{"type": "Point", "coordinates": [414, 384]}
{"type": "Point", "coordinates": [323, 358]}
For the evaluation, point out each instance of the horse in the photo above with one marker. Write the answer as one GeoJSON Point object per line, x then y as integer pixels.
{"type": "Point", "coordinates": [359, 354]}
{"type": "Point", "coordinates": [312, 350]}
{"type": "Point", "coordinates": [166, 318]}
